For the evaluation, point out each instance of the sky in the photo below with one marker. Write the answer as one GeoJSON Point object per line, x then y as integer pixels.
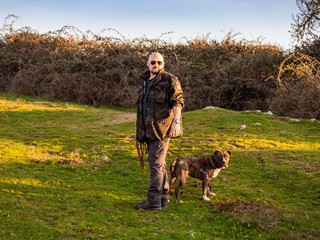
{"type": "Point", "coordinates": [186, 19]}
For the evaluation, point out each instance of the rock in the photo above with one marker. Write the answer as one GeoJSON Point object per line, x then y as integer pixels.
{"type": "Point", "coordinates": [257, 124]}
{"type": "Point", "coordinates": [211, 107]}
{"type": "Point", "coordinates": [268, 113]}
{"type": "Point", "coordinates": [242, 127]}
{"type": "Point", "coordinates": [294, 120]}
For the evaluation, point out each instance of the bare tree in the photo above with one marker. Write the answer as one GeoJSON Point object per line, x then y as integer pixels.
{"type": "Point", "coordinates": [307, 22]}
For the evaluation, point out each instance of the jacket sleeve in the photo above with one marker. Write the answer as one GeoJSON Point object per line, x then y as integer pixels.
{"type": "Point", "coordinates": [175, 93]}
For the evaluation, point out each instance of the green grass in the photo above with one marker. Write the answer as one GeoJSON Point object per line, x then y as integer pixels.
{"type": "Point", "coordinates": [69, 171]}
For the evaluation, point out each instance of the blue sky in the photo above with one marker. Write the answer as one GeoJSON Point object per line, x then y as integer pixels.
{"type": "Point", "coordinates": [270, 19]}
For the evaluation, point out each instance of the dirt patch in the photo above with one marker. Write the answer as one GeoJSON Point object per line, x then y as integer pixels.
{"type": "Point", "coordinates": [118, 119]}
{"type": "Point", "coordinates": [265, 217]}
{"type": "Point", "coordinates": [128, 117]}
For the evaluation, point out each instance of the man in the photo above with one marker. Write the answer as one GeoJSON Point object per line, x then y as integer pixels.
{"type": "Point", "coordinates": [160, 100]}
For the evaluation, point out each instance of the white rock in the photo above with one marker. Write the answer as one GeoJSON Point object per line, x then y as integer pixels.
{"type": "Point", "coordinates": [313, 120]}
{"type": "Point", "coordinates": [242, 127]}
{"type": "Point", "coordinates": [211, 107]}
{"type": "Point", "coordinates": [257, 124]}
{"type": "Point", "coordinates": [268, 113]}
{"type": "Point", "coordinates": [294, 120]}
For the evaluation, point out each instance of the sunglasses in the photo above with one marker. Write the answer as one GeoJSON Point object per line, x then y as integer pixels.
{"type": "Point", "coordinates": [154, 62]}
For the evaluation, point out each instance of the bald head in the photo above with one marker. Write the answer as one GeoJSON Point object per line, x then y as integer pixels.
{"type": "Point", "coordinates": [155, 64]}
{"type": "Point", "coordinates": [155, 55]}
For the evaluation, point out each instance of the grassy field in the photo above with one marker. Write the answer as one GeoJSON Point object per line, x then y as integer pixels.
{"type": "Point", "coordinates": [70, 171]}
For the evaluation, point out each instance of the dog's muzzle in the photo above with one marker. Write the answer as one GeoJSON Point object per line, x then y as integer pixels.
{"type": "Point", "coordinates": [225, 163]}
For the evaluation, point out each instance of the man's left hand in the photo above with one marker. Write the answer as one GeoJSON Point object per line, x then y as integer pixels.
{"type": "Point", "coordinates": [175, 130]}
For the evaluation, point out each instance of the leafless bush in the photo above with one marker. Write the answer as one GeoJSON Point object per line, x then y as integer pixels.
{"type": "Point", "coordinates": [299, 87]}
{"type": "Point", "coordinates": [97, 69]}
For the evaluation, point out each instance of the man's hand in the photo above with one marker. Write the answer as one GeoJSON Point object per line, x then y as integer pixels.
{"type": "Point", "coordinates": [175, 130]}
{"type": "Point", "coordinates": [175, 127]}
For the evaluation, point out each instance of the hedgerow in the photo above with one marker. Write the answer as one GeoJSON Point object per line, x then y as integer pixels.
{"type": "Point", "coordinates": [97, 69]}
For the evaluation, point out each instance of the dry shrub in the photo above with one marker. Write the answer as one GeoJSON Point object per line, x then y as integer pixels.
{"type": "Point", "coordinates": [299, 87]}
{"type": "Point", "coordinates": [230, 74]}
{"type": "Point", "coordinates": [266, 217]}
{"type": "Point", "coordinates": [97, 69]}
{"type": "Point", "coordinates": [310, 47]}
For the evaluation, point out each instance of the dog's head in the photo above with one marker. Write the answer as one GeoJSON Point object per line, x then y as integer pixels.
{"type": "Point", "coordinates": [221, 159]}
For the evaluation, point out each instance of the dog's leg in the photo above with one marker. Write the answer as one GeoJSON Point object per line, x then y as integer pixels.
{"type": "Point", "coordinates": [182, 181]}
{"type": "Point", "coordinates": [172, 181]}
{"type": "Point", "coordinates": [178, 191]}
{"type": "Point", "coordinates": [204, 189]}
{"type": "Point", "coordinates": [173, 176]}
{"type": "Point", "coordinates": [210, 188]}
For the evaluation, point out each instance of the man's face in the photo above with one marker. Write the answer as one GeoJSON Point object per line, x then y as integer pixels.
{"type": "Point", "coordinates": [155, 63]}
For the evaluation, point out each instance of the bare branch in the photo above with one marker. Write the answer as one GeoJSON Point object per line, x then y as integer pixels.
{"type": "Point", "coordinates": [306, 23]}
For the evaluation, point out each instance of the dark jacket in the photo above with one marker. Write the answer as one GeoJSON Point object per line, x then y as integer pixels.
{"type": "Point", "coordinates": [164, 94]}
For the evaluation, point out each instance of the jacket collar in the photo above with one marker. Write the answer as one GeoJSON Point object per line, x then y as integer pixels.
{"type": "Point", "coordinates": [146, 75]}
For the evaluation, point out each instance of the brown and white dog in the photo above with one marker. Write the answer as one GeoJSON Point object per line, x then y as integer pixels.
{"type": "Point", "coordinates": [201, 168]}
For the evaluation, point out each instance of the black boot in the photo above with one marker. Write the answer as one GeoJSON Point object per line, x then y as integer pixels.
{"type": "Point", "coordinates": [164, 202]}
{"type": "Point", "coordinates": [146, 205]}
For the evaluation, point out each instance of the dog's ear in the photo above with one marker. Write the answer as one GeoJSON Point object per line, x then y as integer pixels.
{"type": "Point", "coordinates": [214, 155]}
{"type": "Point", "coordinates": [216, 152]}
{"type": "Point", "coordinates": [229, 152]}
